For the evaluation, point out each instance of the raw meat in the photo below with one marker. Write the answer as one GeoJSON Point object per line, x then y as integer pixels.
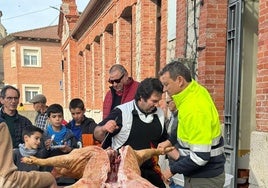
{"type": "Point", "coordinates": [95, 167]}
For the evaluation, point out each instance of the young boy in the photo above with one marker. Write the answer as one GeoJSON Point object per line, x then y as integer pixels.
{"type": "Point", "coordinates": [58, 138]}
{"type": "Point", "coordinates": [32, 138]}
{"type": "Point", "coordinates": [10, 177]}
{"type": "Point", "coordinates": [82, 126]}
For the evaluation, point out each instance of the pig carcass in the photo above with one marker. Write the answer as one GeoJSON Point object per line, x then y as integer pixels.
{"type": "Point", "coordinates": [95, 167]}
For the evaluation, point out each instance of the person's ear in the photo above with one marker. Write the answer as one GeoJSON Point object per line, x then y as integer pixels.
{"type": "Point", "coordinates": [179, 81]}
{"type": "Point", "coordinates": [25, 138]}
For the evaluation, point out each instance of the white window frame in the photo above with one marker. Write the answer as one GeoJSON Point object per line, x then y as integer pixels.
{"type": "Point", "coordinates": [38, 56]}
{"type": "Point", "coordinates": [172, 17]}
{"type": "Point", "coordinates": [13, 57]}
{"type": "Point", "coordinates": [37, 88]}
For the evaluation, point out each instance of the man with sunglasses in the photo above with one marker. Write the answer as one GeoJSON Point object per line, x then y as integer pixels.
{"type": "Point", "coordinates": [122, 89]}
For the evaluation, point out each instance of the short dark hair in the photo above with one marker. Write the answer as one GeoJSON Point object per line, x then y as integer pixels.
{"type": "Point", "coordinates": [76, 103]}
{"type": "Point", "coordinates": [147, 87]}
{"type": "Point", "coordinates": [175, 69]}
{"type": "Point", "coordinates": [5, 88]}
{"type": "Point", "coordinates": [54, 108]}
{"type": "Point", "coordinates": [30, 130]}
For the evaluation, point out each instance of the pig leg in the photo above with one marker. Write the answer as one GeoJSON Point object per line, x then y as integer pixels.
{"type": "Point", "coordinates": [69, 165]}
{"type": "Point", "coordinates": [145, 154]}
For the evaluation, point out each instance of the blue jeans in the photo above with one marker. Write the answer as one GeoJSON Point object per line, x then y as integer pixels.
{"type": "Point", "coordinates": [173, 185]}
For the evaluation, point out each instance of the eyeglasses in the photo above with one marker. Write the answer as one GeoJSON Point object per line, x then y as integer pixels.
{"type": "Point", "coordinates": [117, 80]}
{"type": "Point", "coordinates": [12, 98]}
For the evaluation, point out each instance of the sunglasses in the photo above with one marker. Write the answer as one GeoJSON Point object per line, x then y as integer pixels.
{"type": "Point", "coordinates": [117, 80]}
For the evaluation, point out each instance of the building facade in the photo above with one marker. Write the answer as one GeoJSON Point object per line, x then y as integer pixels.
{"type": "Point", "coordinates": [32, 63]}
{"type": "Point", "coordinates": [3, 34]}
{"type": "Point", "coordinates": [223, 42]}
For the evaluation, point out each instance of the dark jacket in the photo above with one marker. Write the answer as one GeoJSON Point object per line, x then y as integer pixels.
{"type": "Point", "coordinates": [87, 127]}
{"type": "Point", "coordinates": [20, 122]}
{"type": "Point", "coordinates": [41, 153]}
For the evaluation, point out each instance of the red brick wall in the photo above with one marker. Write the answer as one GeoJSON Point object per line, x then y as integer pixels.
{"type": "Point", "coordinates": [148, 38]}
{"type": "Point", "coordinates": [181, 28]}
{"type": "Point", "coordinates": [89, 81]}
{"type": "Point", "coordinates": [118, 24]}
{"type": "Point", "coordinates": [109, 56]}
{"type": "Point", "coordinates": [163, 36]}
{"type": "Point", "coordinates": [212, 36]}
{"type": "Point", "coordinates": [262, 67]}
{"type": "Point", "coordinates": [211, 62]}
{"type": "Point", "coordinates": [98, 93]}
{"type": "Point", "coordinates": [125, 43]}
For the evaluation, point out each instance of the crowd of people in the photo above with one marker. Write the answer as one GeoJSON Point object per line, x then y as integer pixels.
{"type": "Point", "coordinates": [131, 116]}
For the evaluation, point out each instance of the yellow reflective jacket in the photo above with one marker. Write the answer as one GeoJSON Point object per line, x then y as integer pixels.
{"type": "Point", "coordinates": [198, 134]}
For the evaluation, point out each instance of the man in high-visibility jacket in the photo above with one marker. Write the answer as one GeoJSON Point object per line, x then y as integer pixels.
{"type": "Point", "coordinates": [199, 136]}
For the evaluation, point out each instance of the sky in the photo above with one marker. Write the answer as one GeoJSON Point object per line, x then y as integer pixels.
{"type": "Point", "coordinates": [21, 15]}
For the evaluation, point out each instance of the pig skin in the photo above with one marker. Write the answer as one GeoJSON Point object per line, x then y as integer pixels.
{"type": "Point", "coordinates": [73, 164]}
{"type": "Point", "coordinates": [92, 165]}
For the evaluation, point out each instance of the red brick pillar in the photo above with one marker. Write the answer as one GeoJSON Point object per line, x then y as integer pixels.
{"type": "Point", "coordinates": [89, 77]}
{"type": "Point", "coordinates": [72, 83]}
{"type": "Point", "coordinates": [163, 33]}
{"type": "Point", "coordinates": [211, 61]}
{"type": "Point", "coordinates": [124, 42]}
{"type": "Point", "coordinates": [97, 74]}
{"type": "Point", "coordinates": [109, 55]}
{"type": "Point", "coordinates": [148, 38]}
{"type": "Point", "coordinates": [181, 28]}
{"type": "Point", "coordinates": [81, 73]}
{"type": "Point", "coordinates": [262, 70]}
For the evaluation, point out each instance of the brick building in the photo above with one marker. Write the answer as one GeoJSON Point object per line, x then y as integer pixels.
{"type": "Point", "coordinates": [223, 42]}
{"type": "Point", "coordinates": [3, 33]}
{"type": "Point", "coordinates": [32, 63]}
{"type": "Point", "coordinates": [109, 32]}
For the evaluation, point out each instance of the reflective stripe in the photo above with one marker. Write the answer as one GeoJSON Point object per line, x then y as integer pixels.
{"type": "Point", "coordinates": [197, 160]}
{"type": "Point", "coordinates": [217, 151]}
{"type": "Point", "coordinates": [186, 149]}
{"type": "Point", "coordinates": [184, 152]}
{"type": "Point", "coordinates": [213, 152]}
{"type": "Point", "coordinates": [215, 142]}
{"type": "Point", "coordinates": [200, 148]}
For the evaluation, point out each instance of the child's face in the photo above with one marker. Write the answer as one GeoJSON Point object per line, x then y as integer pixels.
{"type": "Point", "coordinates": [56, 119]}
{"type": "Point", "coordinates": [33, 141]}
{"type": "Point", "coordinates": [77, 115]}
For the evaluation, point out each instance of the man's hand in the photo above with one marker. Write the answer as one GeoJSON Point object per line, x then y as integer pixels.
{"type": "Point", "coordinates": [101, 132]}
{"type": "Point", "coordinates": [166, 175]}
{"type": "Point", "coordinates": [174, 154]}
{"type": "Point", "coordinates": [110, 126]}
{"type": "Point", "coordinates": [164, 145]}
